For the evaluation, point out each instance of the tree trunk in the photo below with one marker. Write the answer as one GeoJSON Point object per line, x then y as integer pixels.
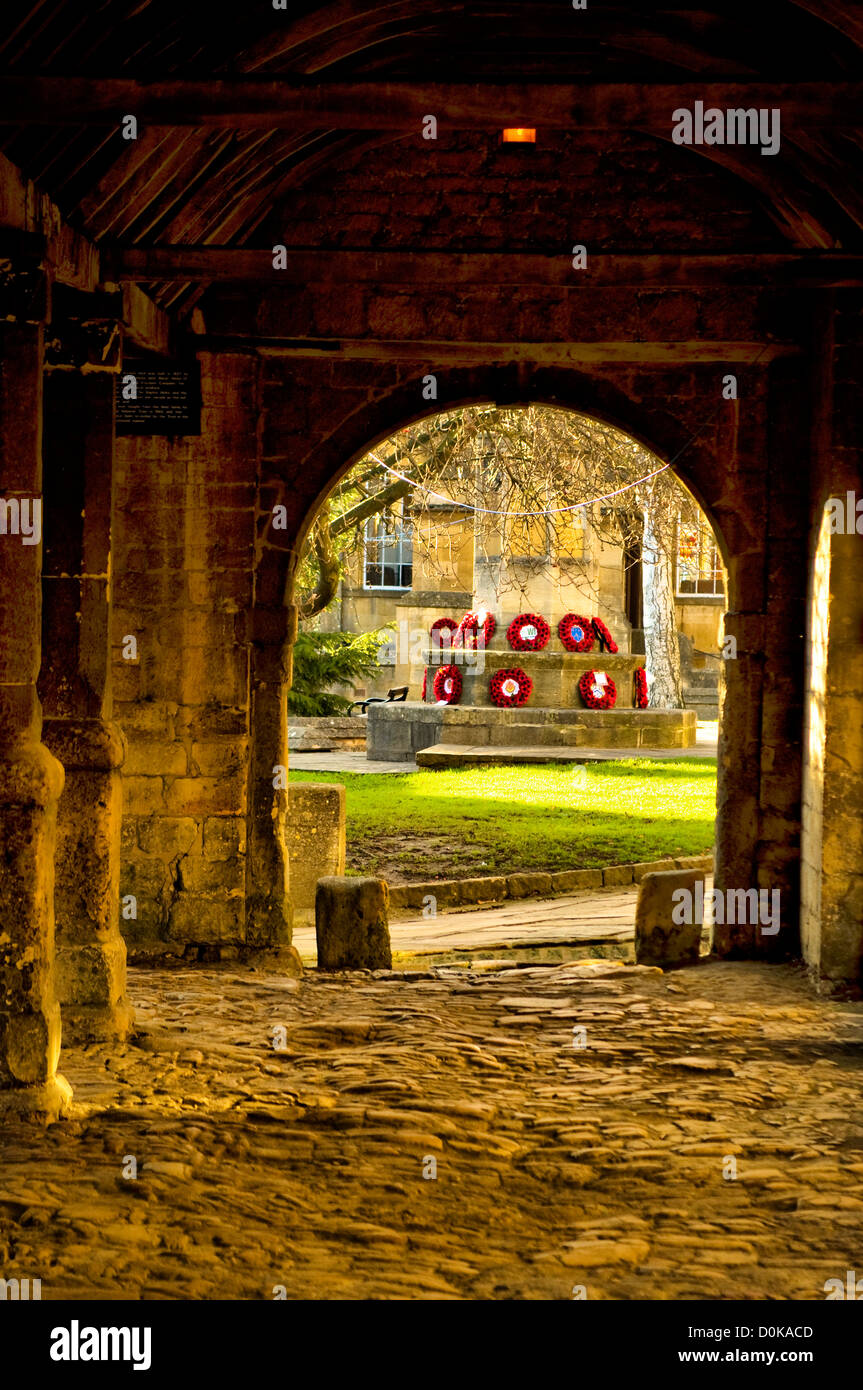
{"type": "Point", "coordinates": [329, 569]}
{"type": "Point", "coordinates": [662, 650]}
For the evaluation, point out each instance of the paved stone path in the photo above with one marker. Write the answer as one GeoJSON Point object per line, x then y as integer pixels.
{"type": "Point", "coordinates": [344, 762]}
{"type": "Point", "coordinates": [557, 1167]}
{"type": "Point", "coordinates": [466, 755]}
{"type": "Point", "coordinates": [705, 747]}
{"type": "Point", "coordinates": [577, 918]}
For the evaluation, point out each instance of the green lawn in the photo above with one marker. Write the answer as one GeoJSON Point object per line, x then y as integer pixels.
{"type": "Point", "coordinates": [463, 822]}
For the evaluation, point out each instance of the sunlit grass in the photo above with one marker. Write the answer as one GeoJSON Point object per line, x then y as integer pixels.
{"type": "Point", "coordinates": [501, 819]}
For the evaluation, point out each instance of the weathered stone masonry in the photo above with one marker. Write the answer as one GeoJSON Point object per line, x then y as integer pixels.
{"type": "Point", "coordinates": [184, 587]}
{"type": "Point", "coordinates": [145, 644]}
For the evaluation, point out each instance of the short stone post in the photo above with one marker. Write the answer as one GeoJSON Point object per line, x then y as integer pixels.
{"type": "Point", "coordinates": [315, 837]}
{"type": "Point", "coordinates": [352, 924]}
{"type": "Point", "coordinates": [668, 928]}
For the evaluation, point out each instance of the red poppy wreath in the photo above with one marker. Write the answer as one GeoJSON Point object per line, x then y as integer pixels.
{"type": "Point", "coordinates": [603, 636]}
{"type": "Point", "coordinates": [597, 690]}
{"type": "Point", "coordinates": [425, 682]}
{"type": "Point", "coordinates": [447, 628]}
{"type": "Point", "coordinates": [509, 688]}
{"type": "Point", "coordinates": [529, 632]}
{"type": "Point", "coordinates": [447, 685]}
{"type": "Point", "coordinates": [575, 632]}
{"type": "Point", "coordinates": [470, 632]}
{"type": "Point", "coordinates": [641, 688]}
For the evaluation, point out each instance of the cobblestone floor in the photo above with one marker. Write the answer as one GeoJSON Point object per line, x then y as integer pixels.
{"type": "Point", "coordinates": [557, 1166]}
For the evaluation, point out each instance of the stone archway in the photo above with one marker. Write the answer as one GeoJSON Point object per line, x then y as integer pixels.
{"type": "Point", "coordinates": [728, 469]}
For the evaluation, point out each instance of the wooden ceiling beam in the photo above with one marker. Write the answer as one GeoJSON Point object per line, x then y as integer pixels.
{"type": "Point", "coordinates": [32, 230]}
{"type": "Point", "coordinates": [437, 352]}
{"type": "Point", "coordinates": [819, 269]}
{"type": "Point", "coordinates": [243, 103]}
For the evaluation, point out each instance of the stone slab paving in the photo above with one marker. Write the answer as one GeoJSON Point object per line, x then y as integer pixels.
{"type": "Point", "coordinates": [462, 754]}
{"type": "Point", "coordinates": [344, 762]}
{"type": "Point", "coordinates": [335, 761]}
{"type": "Point", "coordinates": [557, 1167]}
{"type": "Point", "coordinates": [581, 917]}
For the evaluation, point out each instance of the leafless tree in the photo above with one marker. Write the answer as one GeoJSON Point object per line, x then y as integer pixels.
{"type": "Point", "coordinates": [537, 482]}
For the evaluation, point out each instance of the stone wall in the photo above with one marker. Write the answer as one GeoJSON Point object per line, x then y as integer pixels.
{"type": "Point", "coordinates": [184, 568]}
{"type": "Point", "coordinates": [397, 733]}
{"type": "Point", "coordinates": [831, 868]}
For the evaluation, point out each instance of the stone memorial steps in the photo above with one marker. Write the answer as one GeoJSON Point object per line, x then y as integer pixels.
{"type": "Point", "coordinates": [464, 755]}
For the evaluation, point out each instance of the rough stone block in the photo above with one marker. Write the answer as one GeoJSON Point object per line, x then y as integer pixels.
{"type": "Point", "coordinates": [528, 885]}
{"type": "Point", "coordinates": [143, 795]}
{"type": "Point", "coordinates": [659, 940]}
{"type": "Point", "coordinates": [224, 837]}
{"type": "Point", "coordinates": [314, 837]}
{"type": "Point", "coordinates": [482, 890]}
{"type": "Point", "coordinates": [198, 874]}
{"type": "Point", "coordinates": [352, 925]}
{"type": "Point", "coordinates": [446, 892]}
{"type": "Point", "coordinates": [574, 880]}
{"type": "Point", "coordinates": [213, 918]}
{"type": "Point", "coordinates": [657, 866]}
{"type": "Point", "coordinates": [149, 755]}
{"type": "Point", "coordinates": [167, 836]}
{"type": "Point", "coordinates": [617, 876]}
{"type": "Point", "coordinates": [192, 796]}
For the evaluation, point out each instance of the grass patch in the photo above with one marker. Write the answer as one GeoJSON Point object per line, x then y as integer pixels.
{"type": "Point", "coordinates": [462, 822]}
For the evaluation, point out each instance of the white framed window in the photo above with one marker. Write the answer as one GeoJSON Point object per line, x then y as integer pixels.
{"type": "Point", "coordinates": [698, 568]}
{"type": "Point", "coordinates": [387, 553]}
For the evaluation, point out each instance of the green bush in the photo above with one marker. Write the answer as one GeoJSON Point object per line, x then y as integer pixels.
{"type": "Point", "coordinates": [325, 659]}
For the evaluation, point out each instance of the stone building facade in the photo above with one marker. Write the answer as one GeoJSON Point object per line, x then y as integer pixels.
{"type": "Point", "coordinates": [456, 562]}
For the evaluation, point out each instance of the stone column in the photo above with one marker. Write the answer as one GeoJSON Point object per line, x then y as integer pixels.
{"type": "Point", "coordinates": [757, 846]}
{"type": "Point", "coordinates": [75, 686]}
{"type": "Point", "coordinates": [268, 904]}
{"type": "Point", "coordinates": [31, 779]}
{"type": "Point", "coordinates": [832, 843]}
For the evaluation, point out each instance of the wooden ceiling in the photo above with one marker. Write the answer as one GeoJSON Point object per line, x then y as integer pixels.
{"type": "Point", "coordinates": [215, 181]}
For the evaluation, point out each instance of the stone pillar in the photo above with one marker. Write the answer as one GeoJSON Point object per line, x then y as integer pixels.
{"type": "Point", "coordinates": [268, 904]}
{"type": "Point", "coordinates": [757, 844]}
{"type": "Point", "coordinates": [831, 868]}
{"type": "Point", "coordinates": [739, 761]}
{"type": "Point", "coordinates": [75, 686]}
{"type": "Point", "coordinates": [31, 779]}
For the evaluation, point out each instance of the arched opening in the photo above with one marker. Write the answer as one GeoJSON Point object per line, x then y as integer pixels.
{"type": "Point", "coordinates": [524, 510]}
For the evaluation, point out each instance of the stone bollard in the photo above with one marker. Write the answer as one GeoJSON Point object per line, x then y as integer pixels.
{"type": "Point", "coordinates": [315, 839]}
{"type": "Point", "coordinates": [352, 924]}
{"type": "Point", "coordinates": [660, 937]}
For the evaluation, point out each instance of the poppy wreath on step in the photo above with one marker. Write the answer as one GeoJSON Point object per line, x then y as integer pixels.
{"type": "Point", "coordinates": [641, 688]}
{"type": "Point", "coordinates": [510, 688]}
{"type": "Point", "coordinates": [596, 693]}
{"type": "Point", "coordinates": [529, 632]}
{"type": "Point", "coordinates": [469, 631]}
{"type": "Point", "coordinates": [443, 625]}
{"type": "Point", "coordinates": [447, 685]}
{"type": "Point", "coordinates": [603, 636]}
{"type": "Point", "coordinates": [576, 633]}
